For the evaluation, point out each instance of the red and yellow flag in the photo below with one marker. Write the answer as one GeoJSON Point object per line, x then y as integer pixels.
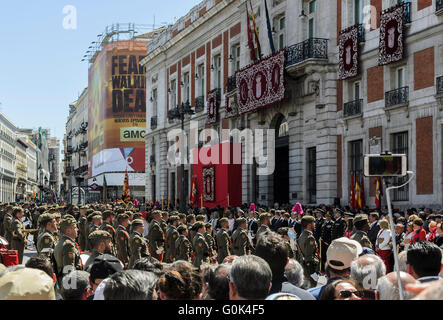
{"type": "Point", "coordinates": [378, 194]}
{"type": "Point", "coordinates": [357, 194]}
{"type": "Point", "coordinates": [193, 195]}
{"type": "Point", "coordinates": [257, 40]}
{"type": "Point", "coordinates": [126, 193]}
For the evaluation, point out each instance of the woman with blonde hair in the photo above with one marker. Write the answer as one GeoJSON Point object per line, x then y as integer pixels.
{"type": "Point", "coordinates": [383, 244]}
{"type": "Point", "coordinates": [409, 233]}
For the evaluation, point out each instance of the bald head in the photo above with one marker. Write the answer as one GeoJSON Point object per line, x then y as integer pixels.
{"type": "Point", "coordinates": [388, 286]}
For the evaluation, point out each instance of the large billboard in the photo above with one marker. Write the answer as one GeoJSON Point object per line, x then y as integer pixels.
{"type": "Point", "coordinates": [117, 109]}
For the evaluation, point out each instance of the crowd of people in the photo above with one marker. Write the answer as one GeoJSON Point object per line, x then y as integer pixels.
{"type": "Point", "coordinates": [243, 253]}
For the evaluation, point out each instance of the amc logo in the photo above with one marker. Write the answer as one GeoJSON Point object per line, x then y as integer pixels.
{"type": "Point", "coordinates": [134, 134]}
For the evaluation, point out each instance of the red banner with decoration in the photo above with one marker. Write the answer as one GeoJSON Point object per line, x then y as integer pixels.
{"type": "Point", "coordinates": [348, 53]}
{"type": "Point", "coordinates": [391, 46]}
{"type": "Point", "coordinates": [213, 104]}
{"type": "Point", "coordinates": [209, 184]}
{"type": "Point", "coordinates": [261, 84]}
{"type": "Point", "coordinates": [231, 106]}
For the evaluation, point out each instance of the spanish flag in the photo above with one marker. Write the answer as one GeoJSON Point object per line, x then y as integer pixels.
{"type": "Point", "coordinates": [257, 40]}
{"type": "Point", "coordinates": [126, 194]}
{"type": "Point", "coordinates": [193, 195]}
{"type": "Point", "coordinates": [357, 194]}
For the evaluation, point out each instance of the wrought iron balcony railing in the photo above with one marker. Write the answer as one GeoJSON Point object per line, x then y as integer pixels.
{"type": "Point", "coordinates": [439, 6]}
{"type": "Point", "coordinates": [440, 85]}
{"type": "Point", "coordinates": [153, 122]}
{"type": "Point", "coordinates": [199, 104]}
{"type": "Point", "coordinates": [397, 97]}
{"type": "Point", "coordinates": [232, 84]}
{"type": "Point", "coordinates": [353, 108]}
{"type": "Point", "coordinates": [315, 48]}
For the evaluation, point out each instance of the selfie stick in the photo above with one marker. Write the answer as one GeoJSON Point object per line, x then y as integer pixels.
{"type": "Point", "coordinates": [394, 241]}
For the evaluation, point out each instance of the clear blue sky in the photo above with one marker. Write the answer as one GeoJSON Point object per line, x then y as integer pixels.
{"type": "Point", "coordinates": [41, 71]}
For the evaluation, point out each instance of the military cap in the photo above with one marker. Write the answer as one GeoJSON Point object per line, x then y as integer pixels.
{"type": "Point", "coordinates": [200, 217]}
{"type": "Point", "coordinates": [182, 216]}
{"type": "Point", "coordinates": [67, 221]}
{"type": "Point", "coordinates": [224, 220]}
{"type": "Point", "coordinates": [137, 215]}
{"type": "Point", "coordinates": [45, 218]}
{"type": "Point", "coordinates": [107, 214]}
{"type": "Point", "coordinates": [57, 215]}
{"type": "Point", "coordinates": [137, 223]}
{"type": "Point", "coordinates": [307, 219]}
{"type": "Point", "coordinates": [208, 225]}
{"type": "Point", "coordinates": [360, 217]}
{"type": "Point", "coordinates": [319, 211]}
{"type": "Point", "coordinates": [198, 225]}
{"type": "Point", "coordinates": [240, 221]}
{"type": "Point", "coordinates": [283, 231]}
{"type": "Point", "coordinates": [122, 216]}
{"type": "Point", "coordinates": [327, 215]}
{"type": "Point", "coordinates": [338, 210]}
{"type": "Point", "coordinates": [375, 214]}
{"type": "Point", "coordinates": [99, 235]}
{"type": "Point", "coordinates": [120, 210]}
{"type": "Point", "coordinates": [173, 218]}
{"type": "Point", "coordinates": [182, 228]}
{"type": "Point", "coordinates": [349, 214]}
{"type": "Point", "coordinates": [165, 213]}
{"type": "Point", "coordinates": [83, 208]}
{"type": "Point", "coordinates": [9, 207]}
{"type": "Point", "coordinates": [263, 216]}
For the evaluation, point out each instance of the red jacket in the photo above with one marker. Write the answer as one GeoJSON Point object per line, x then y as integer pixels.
{"type": "Point", "coordinates": [419, 235]}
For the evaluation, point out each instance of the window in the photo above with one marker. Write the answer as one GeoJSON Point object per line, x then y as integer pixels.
{"type": "Point", "coordinates": [218, 71]}
{"type": "Point", "coordinates": [357, 90]}
{"type": "Point", "coordinates": [400, 77]}
{"type": "Point", "coordinates": [400, 146]}
{"type": "Point", "coordinates": [186, 92]}
{"type": "Point", "coordinates": [312, 175]}
{"type": "Point", "coordinates": [311, 19]}
{"type": "Point", "coordinates": [356, 159]}
{"type": "Point", "coordinates": [173, 93]}
{"type": "Point", "coordinates": [154, 102]}
{"type": "Point", "coordinates": [236, 58]}
{"type": "Point", "coordinates": [201, 79]}
{"type": "Point", "coordinates": [279, 29]}
{"type": "Point", "coordinates": [357, 11]}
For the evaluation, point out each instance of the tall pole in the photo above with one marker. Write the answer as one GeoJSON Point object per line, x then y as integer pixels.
{"type": "Point", "coordinates": [182, 164]}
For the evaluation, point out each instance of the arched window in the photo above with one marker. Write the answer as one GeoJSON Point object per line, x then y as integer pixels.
{"type": "Point", "coordinates": [282, 128]}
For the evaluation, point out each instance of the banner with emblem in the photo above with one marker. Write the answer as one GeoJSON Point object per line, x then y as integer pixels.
{"type": "Point", "coordinates": [348, 53]}
{"type": "Point", "coordinates": [209, 184]}
{"type": "Point", "coordinates": [213, 104]}
{"type": "Point", "coordinates": [391, 48]}
{"type": "Point", "coordinates": [261, 84]}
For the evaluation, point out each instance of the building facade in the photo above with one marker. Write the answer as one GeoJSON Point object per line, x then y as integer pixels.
{"type": "Point", "coordinates": [54, 166]}
{"type": "Point", "coordinates": [327, 121]}
{"type": "Point", "coordinates": [21, 169]}
{"type": "Point", "coordinates": [7, 159]}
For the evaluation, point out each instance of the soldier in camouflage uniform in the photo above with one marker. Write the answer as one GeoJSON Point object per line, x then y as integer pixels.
{"type": "Point", "coordinates": [107, 225]}
{"type": "Point", "coordinates": [361, 224]}
{"type": "Point", "coordinates": [156, 237]}
{"type": "Point", "coordinates": [240, 240]}
{"type": "Point", "coordinates": [190, 221]}
{"type": "Point", "coordinates": [201, 247]}
{"type": "Point", "coordinates": [101, 243]}
{"type": "Point", "coordinates": [308, 248]}
{"type": "Point", "coordinates": [164, 221]}
{"type": "Point", "coordinates": [224, 244]}
{"type": "Point", "coordinates": [137, 243]}
{"type": "Point", "coordinates": [171, 236]}
{"type": "Point", "coordinates": [18, 235]}
{"type": "Point", "coordinates": [96, 222]}
{"type": "Point", "coordinates": [46, 239]}
{"type": "Point", "coordinates": [122, 238]}
{"type": "Point", "coordinates": [211, 242]}
{"type": "Point", "coordinates": [67, 252]}
{"type": "Point", "coordinates": [183, 248]}
{"type": "Point", "coordinates": [82, 222]}
{"type": "Point", "coordinates": [284, 233]}
{"type": "Point", "coordinates": [265, 221]}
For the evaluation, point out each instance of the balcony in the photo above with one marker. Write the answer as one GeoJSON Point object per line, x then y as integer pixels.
{"type": "Point", "coordinates": [406, 13]}
{"type": "Point", "coordinates": [232, 84]}
{"type": "Point", "coordinates": [313, 48]}
{"type": "Point", "coordinates": [439, 82]}
{"type": "Point", "coordinates": [397, 98]}
{"type": "Point", "coordinates": [438, 7]}
{"type": "Point", "coordinates": [153, 122]}
{"type": "Point", "coordinates": [353, 108]}
{"type": "Point", "coordinates": [199, 104]}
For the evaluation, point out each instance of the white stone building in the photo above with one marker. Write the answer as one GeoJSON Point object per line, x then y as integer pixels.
{"type": "Point", "coordinates": [7, 159]}
{"type": "Point", "coordinates": [318, 145]}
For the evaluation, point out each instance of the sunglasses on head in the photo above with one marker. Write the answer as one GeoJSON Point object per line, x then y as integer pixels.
{"type": "Point", "coordinates": [347, 294]}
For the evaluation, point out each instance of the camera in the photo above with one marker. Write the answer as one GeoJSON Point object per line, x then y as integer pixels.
{"type": "Point", "coordinates": [385, 165]}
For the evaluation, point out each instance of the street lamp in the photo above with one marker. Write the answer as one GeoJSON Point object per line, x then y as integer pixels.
{"type": "Point", "coordinates": [179, 114]}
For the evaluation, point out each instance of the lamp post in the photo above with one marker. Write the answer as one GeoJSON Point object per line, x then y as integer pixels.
{"type": "Point", "coordinates": [179, 114]}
